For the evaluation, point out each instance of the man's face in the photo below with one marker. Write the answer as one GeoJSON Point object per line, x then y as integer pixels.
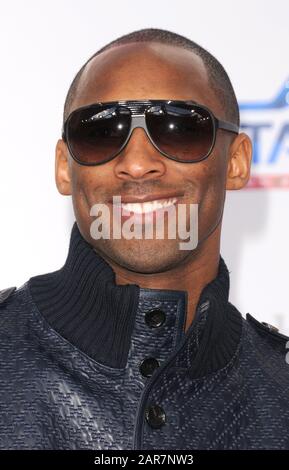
{"type": "Point", "coordinates": [148, 71]}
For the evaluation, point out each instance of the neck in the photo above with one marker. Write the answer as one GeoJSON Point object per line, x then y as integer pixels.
{"type": "Point", "coordinates": [192, 275]}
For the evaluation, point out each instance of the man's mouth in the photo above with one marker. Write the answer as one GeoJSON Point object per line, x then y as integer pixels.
{"type": "Point", "coordinates": [144, 212]}
{"type": "Point", "coordinates": [149, 206]}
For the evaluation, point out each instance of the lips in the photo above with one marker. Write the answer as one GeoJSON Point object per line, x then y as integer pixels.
{"type": "Point", "coordinates": [147, 206]}
{"type": "Point", "coordinates": [148, 209]}
{"type": "Point", "coordinates": [150, 206]}
{"type": "Point", "coordinates": [126, 198]}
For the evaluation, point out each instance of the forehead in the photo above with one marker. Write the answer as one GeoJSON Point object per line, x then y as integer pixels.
{"type": "Point", "coordinates": [145, 71]}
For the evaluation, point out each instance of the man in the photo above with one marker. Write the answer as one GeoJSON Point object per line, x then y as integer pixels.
{"type": "Point", "coordinates": [133, 344]}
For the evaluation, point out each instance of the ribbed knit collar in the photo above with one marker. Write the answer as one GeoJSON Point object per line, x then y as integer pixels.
{"type": "Point", "coordinates": [85, 305]}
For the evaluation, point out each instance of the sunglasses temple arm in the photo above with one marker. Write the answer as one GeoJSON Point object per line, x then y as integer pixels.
{"type": "Point", "coordinates": [63, 134]}
{"type": "Point", "coordinates": [228, 126]}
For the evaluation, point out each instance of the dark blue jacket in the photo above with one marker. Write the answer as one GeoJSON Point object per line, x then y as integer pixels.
{"type": "Point", "coordinates": [224, 384]}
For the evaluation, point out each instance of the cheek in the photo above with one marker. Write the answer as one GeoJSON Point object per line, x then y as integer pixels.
{"type": "Point", "coordinates": [212, 194]}
{"type": "Point", "coordinates": [81, 178]}
{"type": "Point", "coordinates": [85, 191]}
{"type": "Point", "coordinates": [86, 183]}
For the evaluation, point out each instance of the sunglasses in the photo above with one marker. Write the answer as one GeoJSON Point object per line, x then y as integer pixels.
{"type": "Point", "coordinates": [180, 130]}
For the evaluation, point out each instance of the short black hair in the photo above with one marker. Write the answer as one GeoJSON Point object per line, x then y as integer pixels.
{"type": "Point", "coordinates": [218, 77]}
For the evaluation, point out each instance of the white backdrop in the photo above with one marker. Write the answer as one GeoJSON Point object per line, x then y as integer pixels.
{"type": "Point", "coordinates": [43, 44]}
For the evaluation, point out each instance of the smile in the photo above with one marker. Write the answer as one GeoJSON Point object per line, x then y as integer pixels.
{"type": "Point", "coordinates": [149, 206]}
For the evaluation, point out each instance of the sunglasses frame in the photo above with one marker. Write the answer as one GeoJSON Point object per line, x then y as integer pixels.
{"type": "Point", "coordinates": [138, 110]}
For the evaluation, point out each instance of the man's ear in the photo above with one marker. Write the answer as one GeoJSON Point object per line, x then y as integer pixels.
{"type": "Point", "coordinates": [239, 162]}
{"type": "Point", "coordinates": [62, 168]}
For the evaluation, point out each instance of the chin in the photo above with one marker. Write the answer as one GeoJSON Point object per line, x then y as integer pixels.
{"type": "Point", "coordinates": [146, 258]}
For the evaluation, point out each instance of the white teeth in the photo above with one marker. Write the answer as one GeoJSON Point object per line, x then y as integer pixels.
{"type": "Point", "coordinates": [150, 206]}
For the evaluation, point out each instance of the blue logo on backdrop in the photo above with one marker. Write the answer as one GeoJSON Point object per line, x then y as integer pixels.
{"type": "Point", "coordinates": [267, 123]}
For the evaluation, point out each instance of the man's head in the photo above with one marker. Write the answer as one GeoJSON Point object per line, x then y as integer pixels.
{"type": "Point", "coordinates": [155, 64]}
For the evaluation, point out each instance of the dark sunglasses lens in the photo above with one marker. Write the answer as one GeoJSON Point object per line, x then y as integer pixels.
{"type": "Point", "coordinates": [96, 134]}
{"type": "Point", "coordinates": [185, 132]}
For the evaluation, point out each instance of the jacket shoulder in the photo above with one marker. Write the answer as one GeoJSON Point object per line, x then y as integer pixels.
{"type": "Point", "coordinates": [6, 293]}
{"type": "Point", "coordinates": [266, 329]}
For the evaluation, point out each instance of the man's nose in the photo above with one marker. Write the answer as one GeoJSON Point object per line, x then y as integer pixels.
{"type": "Point", "coordinates": [139, 159]}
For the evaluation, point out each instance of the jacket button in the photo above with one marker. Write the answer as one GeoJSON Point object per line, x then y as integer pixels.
{"type": "Point", "coordinates": [148, 366]}
{"type": "Point", "coordinates": [155, 416]}
{"type": "Point", "coordinates": [155, 318]}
